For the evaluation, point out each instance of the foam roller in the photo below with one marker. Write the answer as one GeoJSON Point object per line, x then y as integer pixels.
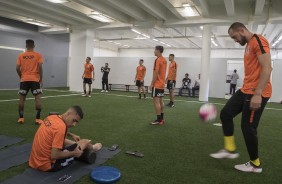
{"type": "Point", "coordinates": [88, 156]}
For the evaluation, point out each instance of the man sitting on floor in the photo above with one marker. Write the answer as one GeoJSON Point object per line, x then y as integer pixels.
{"type": "Point", "coordinates": [51, 151]}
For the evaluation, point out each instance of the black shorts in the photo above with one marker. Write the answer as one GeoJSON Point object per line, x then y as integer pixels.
{"type": "Point", "coordinates": [87, 80]}
{"type": "Point", "coordinates": [30, 85]}
{"type": "Point", "coordinates": [157, 92]}
{"type": "Point", "coordinates": [171, 85]}
{"type": "Point", "coordinates": [139, 83]}
{"type": "Point", "coordinates": [62, 163]}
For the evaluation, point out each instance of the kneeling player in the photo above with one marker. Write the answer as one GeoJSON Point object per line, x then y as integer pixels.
{"type": "Point", "coordinates": [51, 151]}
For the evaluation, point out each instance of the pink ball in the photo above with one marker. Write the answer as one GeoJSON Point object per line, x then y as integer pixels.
{"type": "Point", "coordinates": [208, 112]}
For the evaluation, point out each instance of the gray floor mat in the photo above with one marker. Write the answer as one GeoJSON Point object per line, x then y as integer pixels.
{"type": "Point", "coordinates": [14, 156]}
{"type": "Point", "coordinates": [76, 170]}
{"type": "Point", "coordinates": [6, 140]}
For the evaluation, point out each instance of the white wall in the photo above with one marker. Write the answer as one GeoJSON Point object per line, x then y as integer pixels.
{"type": "Point", "coordinates": [123, 70]}
{"type": "Point", "coordinates": [103, 52]}
{"type": "Point", "coordinates": [276, 81]}
{"type": "Point", "coordinates": [191, 53]}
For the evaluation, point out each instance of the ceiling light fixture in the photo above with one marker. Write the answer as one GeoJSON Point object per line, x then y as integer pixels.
{"type": "Point", "coordinates": [277, 41]}
{"type": "Point", "coordinates": [38, 23]}
{"type": "Point", "coordinates": [213, 42]}
{"type": "Point", "coordinates": [119, 44]}
{"type": "Point", "coordinates": [100, 17]}
{"type": "Point", "coordinates": [135, 31]}
{"type": "Point", "coordinates": [58, 1]}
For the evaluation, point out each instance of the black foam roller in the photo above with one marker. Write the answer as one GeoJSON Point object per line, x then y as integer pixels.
{"type": "Point", "coordinates": [88, 156]}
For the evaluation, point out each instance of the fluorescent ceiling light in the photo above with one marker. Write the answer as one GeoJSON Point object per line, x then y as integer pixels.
{"type": "Point", "coordinates": [280, 38]}
{"type": "Point", "coordinates": [119, 44]}
{"type": "Point", "coordinates": [168, 45]}
{"type": "Point", "coordinates": [146, 35]}
{"type": "Point", "coordinates": [213, 42]}
{"type": "Point", "coordinates": [58, 1]}
{"type": "Point", "coordinates": [186, 5]}
{"type": "Point", "coordinates": [191, 11]}
{"type": "Point", "coordinates": [38, 23]}
{"type": "Point", "coordinates": [100, 17]}
{"type": "Point", "coordinates": [135, 31]}
{"type": "Point", "coordinates": [155, 40]}
{"type": "Point", "coordinates": [140, 38]}
{"type": "Point", "coordinates": [201, 27]}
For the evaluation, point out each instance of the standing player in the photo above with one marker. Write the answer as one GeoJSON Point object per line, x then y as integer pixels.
{"type": "Point", "coordinates": [139, 78]}
{"type": "Point", "coordinates": [233, 82]}
{"type": "Point", "coordinates": [158, 84]}
{"type": "Point", "coordinates": [171, 79]}
{"type": "Point", "coordinates": [87, 76]}
{"type": "Point", "coordinates": [250, 99]}
{"type": "Point", "coordinates": [105, 79]}
{"type": "Point", "coordinates": [29, 69]}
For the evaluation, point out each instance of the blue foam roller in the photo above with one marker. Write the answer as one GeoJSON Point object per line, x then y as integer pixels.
{"type": "Point", "coordinates": [105, 174]}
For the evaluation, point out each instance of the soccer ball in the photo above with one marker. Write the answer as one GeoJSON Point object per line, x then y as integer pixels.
{"type": "Point", "coordinates": [208, 112]}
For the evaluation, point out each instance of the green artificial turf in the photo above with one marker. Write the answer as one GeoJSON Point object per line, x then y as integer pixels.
{"type": "Point", "coordinates": [175, 153]}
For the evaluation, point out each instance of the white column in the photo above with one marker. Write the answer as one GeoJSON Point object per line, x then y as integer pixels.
{"type": "Point", "coordinates": [205, 64]}
{"type": "Point", "coordinates": [81, 46]}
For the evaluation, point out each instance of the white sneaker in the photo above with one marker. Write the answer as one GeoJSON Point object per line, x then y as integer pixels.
{"type": "Point", "coordinates": [224, 154]}
{"type": "Point", "coordinates": [106, 91]}
{"type": "Point", "coordinates": [84, 95]}
{"type": "Point", "coordinates": [89, 95]}
{"type": "Point", "coordinates": [248, 167]}
{"type": "Point", "coordinates": [102, 91]}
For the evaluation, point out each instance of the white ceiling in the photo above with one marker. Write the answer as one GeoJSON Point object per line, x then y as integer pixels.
{"type": "Point", "coordinates": [159, 19]}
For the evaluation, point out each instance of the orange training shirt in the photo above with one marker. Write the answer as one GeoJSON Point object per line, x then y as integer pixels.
{"type": "Point", "coordinates": [140, 72]}
{"type": "Point", "coordinates": [160, 65]}
{"type": "Point", "coordinates": [29, 62]}
{"type": "Point", "coordinates": [88, 69]}
{"type": "Point", "coordinates": [172, 71]}
{"type": "Point", "coordinates": [50, 134]}
{"type": "Point", "coordinates": [257, 46]}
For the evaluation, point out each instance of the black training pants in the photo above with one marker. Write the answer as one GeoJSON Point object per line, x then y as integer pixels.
{"type": "Point", "coordinates": [105, 82]}
{"type": "Point", "coordinates": [240, 102]}
{"type": "Point", "coordinates": [232, 89]}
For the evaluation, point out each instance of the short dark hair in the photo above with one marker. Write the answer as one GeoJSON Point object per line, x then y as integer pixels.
{"type": "Point", "coordinates": [141, 60]}
{"type": "Point", "coordinates": [237, 25]}
{"type": "Point", "coordinates": [171, 55]}
{"type": "Point", "coordinates": [235, 70]}
{"type": "Point", "coordinates": [78, 110]}
{"type": "Point", "coordinates": [29, 43]}
{"type": "Point", "coordinates": [186, 74]}
{"type": "Point", "coordinates": [88, 58]}
{"type": "Point", "coordinates": [160, 48]}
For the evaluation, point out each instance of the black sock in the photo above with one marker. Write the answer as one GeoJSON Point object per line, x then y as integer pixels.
{"type": "Point", "coordinates": [139, 95]}
{"type": "Point", "coordinates": [38, 111]}
{"type": "Point", "coordinates": [21, 112]}
{"type": "Point", "coordinates": [84, 91]}
{"type": "Point", "coordinates": [162, 116]}
{"type": "Point", "coordinates": [159, 119]}
{"type": "Point", "coordinates": [89, 92]}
